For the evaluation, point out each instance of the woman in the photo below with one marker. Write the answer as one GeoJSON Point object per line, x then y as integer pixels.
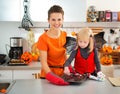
{"type": "Point", "coordinates": [51, 45]}
{"type": "Point", "coordinates": [86, 57]}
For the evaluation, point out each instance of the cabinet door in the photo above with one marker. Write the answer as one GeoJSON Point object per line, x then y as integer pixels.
{"type": "Point", "coordinates": [24, 74]}
{"type": "Point", "coordinates": [10, 10]}
{"type": "Point", "coordinates": [75, 11]}
{"type": "Point", "coordinates": [5, 74]}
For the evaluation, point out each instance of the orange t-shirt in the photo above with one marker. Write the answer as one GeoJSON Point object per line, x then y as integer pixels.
{"type": "Point", "coordinates": [55, 50]}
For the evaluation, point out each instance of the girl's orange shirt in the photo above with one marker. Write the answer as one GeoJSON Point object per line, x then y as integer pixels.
{"type": "Point", "coordinates": [56, 52]}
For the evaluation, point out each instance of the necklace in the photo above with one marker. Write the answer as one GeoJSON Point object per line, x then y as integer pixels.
{"type": "Point", "coordinates": [53, 34]}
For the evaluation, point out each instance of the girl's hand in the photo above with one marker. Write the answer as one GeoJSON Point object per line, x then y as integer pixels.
{"type": "Point", "coordinates": [66, 71]}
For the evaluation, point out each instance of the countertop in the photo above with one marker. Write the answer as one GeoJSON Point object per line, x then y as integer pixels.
{"type": "Point", "coordinates": [42, 86]}
{"type": "Point", "coordinates": [33, 65]}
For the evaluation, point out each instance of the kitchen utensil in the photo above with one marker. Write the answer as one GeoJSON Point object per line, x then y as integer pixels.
{"type": "Point", "coordinates": [2, 58]}
{"type": "Point", "coordinates": [16, 41]}
{"type": "Point", "coordinates": [16, 49]}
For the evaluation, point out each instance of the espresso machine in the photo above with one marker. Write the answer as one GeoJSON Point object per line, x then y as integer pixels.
{"type": "Point", "coordinates": [16, 50]}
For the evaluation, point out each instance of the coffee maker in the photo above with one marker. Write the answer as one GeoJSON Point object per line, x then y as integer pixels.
{"type": "Point", "coordinates": [16, 50]}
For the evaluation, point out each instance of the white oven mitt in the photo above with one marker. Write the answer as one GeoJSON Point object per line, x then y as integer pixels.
{"type": "Point", "coordinates": [100, 76]}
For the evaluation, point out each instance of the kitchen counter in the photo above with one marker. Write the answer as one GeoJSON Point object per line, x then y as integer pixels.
{"type": "Point", "coordinates": [32, 65]}
{"type": "Point", "coordinates": [41, 86]}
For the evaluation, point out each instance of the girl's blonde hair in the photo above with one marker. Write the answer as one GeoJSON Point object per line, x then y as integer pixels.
{"type": "Point", "coordinates": [86, 34]}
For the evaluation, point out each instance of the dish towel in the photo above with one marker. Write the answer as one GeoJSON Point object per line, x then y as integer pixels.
{"type": "Point", "coordinates": [115, 81]}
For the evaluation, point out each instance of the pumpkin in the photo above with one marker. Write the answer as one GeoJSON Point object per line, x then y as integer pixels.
{"type": "Point", "coordinates": [107, 49]}
{"type": "Point", "coordinates": [35, 50]}
{"type": "Point", "coordinates": [35, 57]}
{"type": "Point", "coordinates": [106, 60]}
{"type": "Point", "coordinates": [73, 33]}
{"type": "Point", "coordinates": [27, 57]}
{"type": "Point", "coordinates": [3, 91]}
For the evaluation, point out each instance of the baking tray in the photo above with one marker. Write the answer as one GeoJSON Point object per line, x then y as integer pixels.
{"type": "Point", "coordinates": [73, 78]}
{"type": "Point", "coordinates": [16, 62]}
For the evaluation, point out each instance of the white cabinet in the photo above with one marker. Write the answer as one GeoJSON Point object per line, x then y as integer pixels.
{"type": "Point", "coordinates": [24, 74]}
{"type": "Point", "coordinates": [5, 74]}
{"type": "Point", "coordinates": [10, 10]}
{"type": "Point", "coordinates": [73, 12]}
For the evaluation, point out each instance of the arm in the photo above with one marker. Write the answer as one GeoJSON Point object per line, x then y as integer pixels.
{"type": "Point", "coordinates": [50, 76]}
{"type": "Point", "coordinates": [70, 59]}
{"type": "Point", "coordinates": [68, 69]}
{"type": "Point", "coordinates": [100, 75]}
{"type": "Point", "coordinates": [97, 62]}
{"type": "Point", "coordinates": [43, 59]}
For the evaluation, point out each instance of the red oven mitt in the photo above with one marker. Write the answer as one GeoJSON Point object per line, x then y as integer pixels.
{"type": "Point", "coordinates": [55, 79]}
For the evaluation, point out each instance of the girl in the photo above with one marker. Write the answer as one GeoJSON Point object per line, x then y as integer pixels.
{"type": "Point", "coordinates": [85, 54]}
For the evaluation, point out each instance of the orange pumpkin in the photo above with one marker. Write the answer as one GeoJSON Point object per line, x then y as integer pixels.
{"type": "Point", "coordinates": [106, 60]}
{"type": "Point", "coordinates": [3, 91]}
{"type": "Point", "coordinates": [35, 57]}
{"type": "Point", "coordinates": [35, 50]}
{"type": "Point", "coordinates": [27, 57]}
{"type": "Point", "coordinates": [73, 33]}
{"type": "Point", "coordinates": [107, 49]}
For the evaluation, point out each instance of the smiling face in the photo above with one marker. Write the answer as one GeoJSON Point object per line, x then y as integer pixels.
{"type": "Point", "coordinates": [55, 20]}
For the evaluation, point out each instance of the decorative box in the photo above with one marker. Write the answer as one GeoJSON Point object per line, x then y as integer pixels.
{"type": "Point", "coordinates": [114, 16]}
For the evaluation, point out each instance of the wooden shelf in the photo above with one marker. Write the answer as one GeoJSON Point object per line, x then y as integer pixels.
{"type": "Point", "coordinates": [79, 25]}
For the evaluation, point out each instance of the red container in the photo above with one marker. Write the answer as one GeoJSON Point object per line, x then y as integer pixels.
{"type": "Point", "coordinates": [108, 16]}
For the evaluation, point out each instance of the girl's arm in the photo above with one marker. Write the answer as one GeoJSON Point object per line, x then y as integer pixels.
{"type": "Point", "coordinates": [97, 62]}
{"type": "Point", "coordinates": [71, 57]}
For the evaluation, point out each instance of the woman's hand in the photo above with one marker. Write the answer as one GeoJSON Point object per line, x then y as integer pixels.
{"type": "Point", "coordinates": [66, 71]}
{"type": "Point", "coordinates": [53, 78]}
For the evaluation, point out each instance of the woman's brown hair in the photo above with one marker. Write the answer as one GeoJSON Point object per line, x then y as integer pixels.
{"type": "Point", "coordinates": [55, 9]}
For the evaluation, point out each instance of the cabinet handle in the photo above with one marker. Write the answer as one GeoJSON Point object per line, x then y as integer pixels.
{"type": "Point", "coordinates": [36, 75]}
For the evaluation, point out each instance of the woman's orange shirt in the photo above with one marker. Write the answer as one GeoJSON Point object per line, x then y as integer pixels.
{"type": "Point", "coordinates": [56, 52]}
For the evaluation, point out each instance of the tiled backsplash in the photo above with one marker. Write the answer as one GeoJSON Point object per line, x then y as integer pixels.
{"type": "Point", "coordinates": [10, 29]}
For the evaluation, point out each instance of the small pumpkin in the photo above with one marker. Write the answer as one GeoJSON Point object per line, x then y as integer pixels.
{"type": "Point", "coordinates": [27, 57]}
{"type": "Point", "coordinates": [35, 57]}
{"type": "Point", "coordinates": [107, 49]}
{"type": "Point", "coordinates": [106, 60]}
{"type": "Point", "coordinates": [3, 91]}
{"type": "Point", "coordinates": [35, 50]}
{"type": "Point", "coordinates": [73, 33]}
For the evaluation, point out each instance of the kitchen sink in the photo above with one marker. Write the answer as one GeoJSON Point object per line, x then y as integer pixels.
{"type": "Point", "coordinates": [6, 85]}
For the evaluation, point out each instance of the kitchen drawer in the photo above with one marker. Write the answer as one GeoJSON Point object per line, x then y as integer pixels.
{"type": "Point", "coordinates": [24, 74]}
{"type": "Point", "coordinates": [5, 74]}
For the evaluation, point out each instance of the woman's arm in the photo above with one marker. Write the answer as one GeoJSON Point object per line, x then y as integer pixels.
{"type": "Point", "coordinates": [50, 76]}
{"type": "Point", "coordinates": [43, 60]}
